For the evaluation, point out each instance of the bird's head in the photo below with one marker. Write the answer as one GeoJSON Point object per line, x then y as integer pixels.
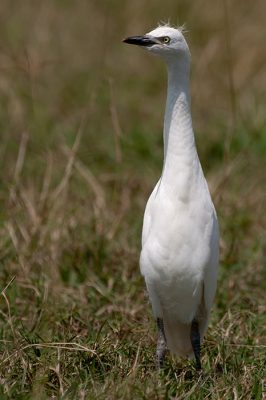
{"type": "Point", "coordinates": [164, 42]}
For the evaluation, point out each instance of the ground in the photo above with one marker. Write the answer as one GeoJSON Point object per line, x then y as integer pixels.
{"type": "Point", "coordinates": [81, 121]}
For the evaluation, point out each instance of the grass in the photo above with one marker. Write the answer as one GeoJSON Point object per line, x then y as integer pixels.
{"type": "Point", "coordinates": [81, 121]}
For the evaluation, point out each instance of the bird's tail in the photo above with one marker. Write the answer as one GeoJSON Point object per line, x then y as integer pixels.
{"type": "Point", "coordinates": [178, 334]}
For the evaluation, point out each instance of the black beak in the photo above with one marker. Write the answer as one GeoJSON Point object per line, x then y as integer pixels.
{"type": "Point", "coordinates": [144, 40]}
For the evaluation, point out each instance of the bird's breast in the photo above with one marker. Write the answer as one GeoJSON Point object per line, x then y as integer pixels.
{"type": "Point", "coordinates": [179, 235]}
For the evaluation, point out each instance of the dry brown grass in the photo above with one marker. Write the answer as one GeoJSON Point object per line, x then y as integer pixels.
{"type": "Point", "coordinates": [81, 121]}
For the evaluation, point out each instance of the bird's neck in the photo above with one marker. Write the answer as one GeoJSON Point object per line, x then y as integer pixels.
{"type": "Point", "coordinates": [180, 154]}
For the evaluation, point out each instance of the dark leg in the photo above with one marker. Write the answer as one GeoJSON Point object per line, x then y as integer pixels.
{"type": "Point", "coordinates": [195, 341]}
{"type": "Point", "coordinates": [161, 345]}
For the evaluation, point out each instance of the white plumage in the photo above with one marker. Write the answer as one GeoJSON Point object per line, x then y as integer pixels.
{"type": "Point", "coordinates": [180, 238]}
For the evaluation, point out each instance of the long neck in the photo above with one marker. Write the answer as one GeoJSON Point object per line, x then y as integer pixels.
{"type": "Point", "coordinates": [181, 164]}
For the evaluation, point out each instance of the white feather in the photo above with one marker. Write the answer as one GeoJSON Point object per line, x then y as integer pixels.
{"type": "Point", "coordinates": [180, 240]}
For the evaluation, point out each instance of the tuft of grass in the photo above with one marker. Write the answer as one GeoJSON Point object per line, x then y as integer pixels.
{"type": "Point", "coordinates": [81, 122]}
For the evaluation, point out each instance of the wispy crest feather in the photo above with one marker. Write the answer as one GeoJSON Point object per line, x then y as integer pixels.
{"type": "Point", "coordinates": [182, 28]}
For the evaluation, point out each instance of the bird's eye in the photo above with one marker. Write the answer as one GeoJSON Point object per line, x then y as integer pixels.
{"type": "Point", "coordinates": [166, 39]}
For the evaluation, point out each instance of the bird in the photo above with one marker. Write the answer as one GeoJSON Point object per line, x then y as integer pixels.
{"type": "Point", "coordinates": [180, 236]}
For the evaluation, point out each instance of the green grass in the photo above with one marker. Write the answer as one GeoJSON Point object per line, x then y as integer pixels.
{"type": "Point", "coordinates": [81, 122]}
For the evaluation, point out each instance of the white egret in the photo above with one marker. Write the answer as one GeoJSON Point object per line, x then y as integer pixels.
{"type": "Point", "coordinates": [180, 238]}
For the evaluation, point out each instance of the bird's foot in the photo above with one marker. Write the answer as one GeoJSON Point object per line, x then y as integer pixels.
{"type": "Point", "coordinates": [200, 379]}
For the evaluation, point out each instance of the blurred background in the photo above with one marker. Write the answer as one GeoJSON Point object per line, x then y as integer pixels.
{"type": "Point", "coordinates": [81, 149]}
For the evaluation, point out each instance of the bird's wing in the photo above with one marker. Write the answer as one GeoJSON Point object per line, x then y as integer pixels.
{"type": "Point", "coordinates": [211, 273]}
{"type": "Point", "coordinates": [147, 220]}
{"type": "Point", "coordinates": [146, 224]}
